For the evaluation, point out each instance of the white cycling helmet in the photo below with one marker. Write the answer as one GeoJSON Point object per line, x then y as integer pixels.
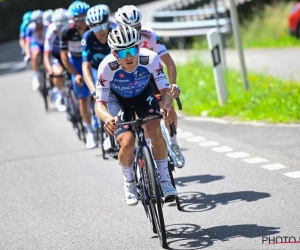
{"type": "Point", "coordinates": [47, 15]}
{"type": "Point", "coordinates": [129, 15]}
{"type": "Point", "coordinates": [60, 17]}
{"type": "Point", "coordinates": [96, 15]}
{"type": "Point", "coordinates": [105, 7]}
{"type": "Point", "coordinates": [123, 37]}
{"type": "Point", "coordinates": [36, 16]}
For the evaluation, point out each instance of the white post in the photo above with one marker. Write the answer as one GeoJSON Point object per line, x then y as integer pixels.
{"type": "Point", "coordinates": [221, 36]}
{"type": "Point", "coordinates": [214, 43]}
{"type": "Point", "coordinates": [238, 42]}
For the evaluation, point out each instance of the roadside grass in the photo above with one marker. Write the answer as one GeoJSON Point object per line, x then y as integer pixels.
{"type": "Point", "coordinates": [269, 29]}
{"type": "Point", "coordinates": [268, 99]}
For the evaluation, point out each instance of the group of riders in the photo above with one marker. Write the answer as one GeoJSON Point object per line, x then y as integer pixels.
{"type": "Point", "coordinates": [117, 61]}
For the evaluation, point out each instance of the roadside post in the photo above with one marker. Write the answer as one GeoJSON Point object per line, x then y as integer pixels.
{"type": "Point", "coordinates": [238, 42]}
{"type": "Point", "coordinates": [214, 43]}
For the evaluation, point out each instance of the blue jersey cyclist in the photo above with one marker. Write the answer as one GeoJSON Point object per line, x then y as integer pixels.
{"type": "Point", "coordinates": [70, 52]}
{"type": "Point", "coordinates": [25, 22]}
{"type": "Point", "coordinates": [124, 82]}
{"type": "Point", "coordinates": [94, 44]}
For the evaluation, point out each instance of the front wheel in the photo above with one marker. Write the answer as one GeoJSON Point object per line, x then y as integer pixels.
{"type": "Point", "coordinates": [155, 200]}
{"type": "Point", "coordinates": [171, 169]}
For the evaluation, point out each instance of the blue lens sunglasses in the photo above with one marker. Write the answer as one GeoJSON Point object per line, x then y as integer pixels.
{"type": "Point", "coordinates": [123, 53]}
{"type": "Point", "coordinates": [99, 27]}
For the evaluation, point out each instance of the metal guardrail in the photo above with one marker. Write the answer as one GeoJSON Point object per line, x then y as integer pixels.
{"type": "Point", "coordinates": [178, 21]}
{"type": "Point", "coordinates": [189, 28]}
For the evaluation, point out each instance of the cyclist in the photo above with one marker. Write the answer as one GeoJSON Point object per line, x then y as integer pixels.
{"type": "Point", "coordinates": [52, 59]}
{"type": "Point", "coordinates": [24, 24]}
{"type": "Point", "coordinates": [123, 82]}
{"type": "Point", "coordinates": [94, 46]}
{"type": "Point", "coordinates": [70, 43]}
{"type": "Point", "coordinates": [34, 39]}
{"type": "Point", "coordinates": [47, 16]}
{"type": "Point", "coordinates": [131, 15]}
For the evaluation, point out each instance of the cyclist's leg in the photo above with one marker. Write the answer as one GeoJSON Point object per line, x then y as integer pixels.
{"type": "Point", "coordinates": [36, 51]}
{"type": "Point", "coordinates": [145, 108]}
{"type": "Point", "coordinates": [58, 82]}
{"type": "Point", "coordinates": [83, 94]}
{"type": "Point", "coordinates": [125, 136]}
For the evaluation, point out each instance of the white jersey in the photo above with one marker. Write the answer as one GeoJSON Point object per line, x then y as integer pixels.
{"type": "Point", "coordinates": [112, 77]}
{"type": "Point", "coordinates": [52, 39]}
{"type": "Point", "coordinates": [149, 40]}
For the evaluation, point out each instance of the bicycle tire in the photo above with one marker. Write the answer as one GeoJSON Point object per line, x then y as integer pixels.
{"type": "Point", "coordinates": [171, 168]}
{"type": "Point", "coordinates": [142, 198]}
{"type": "Point", "coordinates": [101, 131]}
{"type": "Point", "coordinates": [43, 89]}
{"type": "Point", "coordinates": [156, 210]}
{"type": "Point", "coordinates": [77, 117]}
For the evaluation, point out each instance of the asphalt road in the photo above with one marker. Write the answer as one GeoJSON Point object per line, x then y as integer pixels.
{"type": "Point", "coordinates": [55, 194]}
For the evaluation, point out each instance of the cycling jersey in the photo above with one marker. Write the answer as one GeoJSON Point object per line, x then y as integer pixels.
{"type": "Point", "coordinates": [36, 36]}
{"type": "Point", "coordinates": [111, 76]}
{"type": "Point", "coordinates": [52, 39]}
{"type": "Point", "coordinates": [149, 40]}
{"type": "Point", "coordinates": [70, 40]}
{"type": "Point", "coordinates": [93, 50]}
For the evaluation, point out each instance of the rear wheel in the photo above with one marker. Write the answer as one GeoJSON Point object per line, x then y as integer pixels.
{"type": "Point", "coordinates": [43, 88]}
{"type": "Point", "coordinates": [155, 201]}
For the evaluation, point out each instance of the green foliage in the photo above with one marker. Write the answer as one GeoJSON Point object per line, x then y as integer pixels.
{"type": "Point", "coordinates": [268, 99]}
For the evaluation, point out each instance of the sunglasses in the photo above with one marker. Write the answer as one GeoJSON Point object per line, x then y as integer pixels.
{"type": "Point", "coordinates": [79, 19]}
{"type": "Point", "coordinates": [133, 51]}
{"type": "Point", "coordinates": [138, 27]}
{"type": "Point", "coordinates": [99, 27]}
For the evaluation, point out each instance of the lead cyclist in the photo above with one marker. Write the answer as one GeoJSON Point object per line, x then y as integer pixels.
{"type": "Point", "coordinates": [132, 16]}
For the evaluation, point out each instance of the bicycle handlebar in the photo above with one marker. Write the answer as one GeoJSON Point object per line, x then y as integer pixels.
{"type": "Point", "coordinates": [179, 103]}
{"type": "Point", "coordinates": [142, 121]}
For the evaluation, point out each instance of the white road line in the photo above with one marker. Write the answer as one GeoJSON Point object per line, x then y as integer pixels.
{"type": "Point", "coordinates": [222, 149]}
{"type": "Point", "coordinates": [255, 160]}
{"type": "Point", "coordinates": [184, 134]}
{"type": "Point", "coordinates": [235, 155]}
{"type": "Point", "coordinates": [195, 139]}
{"type": "Point", "coordinates": [178, 130]}
{"type": "Point", "coordinates": [208, 144]}
{"type": "Point", "coordinates": [293, 174]}
{"type": "Point", "coordinates": [274, 166]}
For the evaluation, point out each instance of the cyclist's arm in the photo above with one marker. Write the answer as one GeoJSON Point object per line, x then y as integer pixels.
{"type": "Point", "coordinates": [87, 75]}
{"type": "Point", "coordinates": [102, 92]}
{"type": "Point", "coordinates": [171, 67]}
{"type": "Point", "coordinates": [48, 52]}
{"type": "Point", "coordinates": [162, 51]}
{"type": "Point", "coordinates": [22, 43]}
{"type": "Point", "coordinates": [63, 45]}
{"type": "Point", "coordinates": [47, 61]}
{"type": "Point", "coordinates": [86, 63]}
{"type": "Point", "coordinates": [66, 62]}
{"type": "Point", "coordinates": [28, 34]}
